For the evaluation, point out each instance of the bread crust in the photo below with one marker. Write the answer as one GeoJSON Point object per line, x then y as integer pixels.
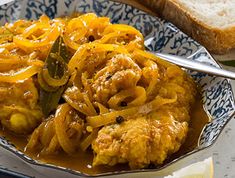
{"type": "Point", "coordinates": [216, 40]}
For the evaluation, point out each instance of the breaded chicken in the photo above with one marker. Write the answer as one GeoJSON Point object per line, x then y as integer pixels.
{"type": "Point", "coordinates": [21, 113]}
{"type": "Point", "coordinates": [139, 141]}
{"type": "Point", "coordinates": [121, 72]}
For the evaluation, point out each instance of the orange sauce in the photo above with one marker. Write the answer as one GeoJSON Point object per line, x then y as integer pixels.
{"type": "Point", "coordinates": [83, 161]}
{"type": "Point", "coordinates": [199, 119]}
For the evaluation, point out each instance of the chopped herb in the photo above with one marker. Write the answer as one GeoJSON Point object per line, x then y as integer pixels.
{"type": "Point", "coordinates": [119, 119]}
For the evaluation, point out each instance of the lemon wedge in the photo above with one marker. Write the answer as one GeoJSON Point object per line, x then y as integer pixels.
{"type": "Point", "coordinates": [203, 169]}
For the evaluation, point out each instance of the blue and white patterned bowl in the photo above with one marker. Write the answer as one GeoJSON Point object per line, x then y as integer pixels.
{"type": "Point", "coordinates": [159, 35]}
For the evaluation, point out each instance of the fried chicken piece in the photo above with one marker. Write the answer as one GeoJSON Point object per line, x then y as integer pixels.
{"type": "Point", "coordinates": [21, 113]}
{"type": "Point", "coordinates": [121, 72]}
{"type": "Point", "coordinates": [139, 141]}
{"type": "Point", "coordinates": [22, 93]}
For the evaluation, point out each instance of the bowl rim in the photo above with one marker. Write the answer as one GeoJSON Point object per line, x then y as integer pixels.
{"type": "Point", "coordinates": [34, 162]}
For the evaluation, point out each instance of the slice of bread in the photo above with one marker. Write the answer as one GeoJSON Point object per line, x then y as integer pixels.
{"type": "Point", "coordinates": [210, 22]}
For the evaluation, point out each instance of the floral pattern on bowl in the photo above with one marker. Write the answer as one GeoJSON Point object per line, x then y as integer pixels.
{"type": "Point", "coordinates": [159, 36]}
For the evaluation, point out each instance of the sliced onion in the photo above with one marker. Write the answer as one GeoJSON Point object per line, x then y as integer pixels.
{"type": "Point", "coordinates": [12, 77]}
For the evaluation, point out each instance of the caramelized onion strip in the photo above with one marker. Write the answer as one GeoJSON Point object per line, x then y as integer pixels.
{"type": "Point", "coordinates": [110, 117]}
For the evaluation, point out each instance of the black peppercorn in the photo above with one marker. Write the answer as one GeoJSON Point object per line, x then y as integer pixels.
{"type": "Point", "coordinates": [123, 104]}
{"type": "Point", "coordinates": [108, 77]}
{"type": "Point", "coordinates": [91, 38]}
{"type": "Point", "coordinates": [119, 119]}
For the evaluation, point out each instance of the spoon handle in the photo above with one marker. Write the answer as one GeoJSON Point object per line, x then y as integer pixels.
{"type": "Point", "coordinates": [197, 66]}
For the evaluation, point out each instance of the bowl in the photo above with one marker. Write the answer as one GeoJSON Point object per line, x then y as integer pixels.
{"type": "Point", "coordinates": [161, 36]}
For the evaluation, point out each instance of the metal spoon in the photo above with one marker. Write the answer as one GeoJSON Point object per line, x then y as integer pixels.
{"type": "Point", "coordinates": [197, 66]}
